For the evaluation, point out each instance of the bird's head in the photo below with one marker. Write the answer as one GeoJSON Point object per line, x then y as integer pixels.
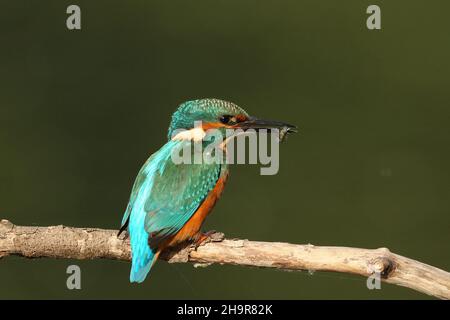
{"type": "Point", "coordinates": [218, 114]}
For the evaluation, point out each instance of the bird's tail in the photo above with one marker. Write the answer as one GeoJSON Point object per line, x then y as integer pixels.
{"type": "Point", "coordinates": [142, 256]}
{"type": "Point", "coordinates": [141, 266]}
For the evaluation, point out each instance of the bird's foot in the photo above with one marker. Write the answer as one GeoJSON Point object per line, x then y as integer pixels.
{"type": "Point", "coordinates": [210, 236]}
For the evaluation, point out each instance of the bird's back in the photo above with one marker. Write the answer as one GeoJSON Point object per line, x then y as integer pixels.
{"type": "Point", "coordinates": [164, 198]}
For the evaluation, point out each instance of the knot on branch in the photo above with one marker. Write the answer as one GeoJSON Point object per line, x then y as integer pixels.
{"type": "Point", "coordinates": [6, 226]}
{"type": "Point", "coordinates": [383, 265]}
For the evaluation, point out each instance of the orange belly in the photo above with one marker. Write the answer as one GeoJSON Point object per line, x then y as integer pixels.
{"type": "Point", "coordinates": [192, 227]}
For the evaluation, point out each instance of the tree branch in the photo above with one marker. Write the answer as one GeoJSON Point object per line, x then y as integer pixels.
{"type": "Point", "coordinates": [92, 243]}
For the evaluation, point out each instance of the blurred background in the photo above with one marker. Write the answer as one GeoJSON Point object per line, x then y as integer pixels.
{"type": "Point", "coordinates": [80, 112]}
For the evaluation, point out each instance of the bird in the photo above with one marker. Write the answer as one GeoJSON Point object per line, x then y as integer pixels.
{"type": "Point", "coordinates": [169, 202]}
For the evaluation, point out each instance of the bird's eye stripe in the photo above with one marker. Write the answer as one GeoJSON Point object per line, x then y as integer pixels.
{"type": "Point", "coordinates": [241, 118]}
{"type": "Point", "coordinates": [228, 119]}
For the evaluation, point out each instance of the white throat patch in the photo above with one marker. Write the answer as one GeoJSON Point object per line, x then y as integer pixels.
{"type": "Point", "coordinates": [196, 134]}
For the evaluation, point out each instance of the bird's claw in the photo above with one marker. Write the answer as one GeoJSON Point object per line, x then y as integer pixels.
{"type": "Point", "coordinates": [207, 237]}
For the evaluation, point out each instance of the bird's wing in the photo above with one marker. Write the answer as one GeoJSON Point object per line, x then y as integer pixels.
{"type": "Point", "coordinates": [178, 191]}
{"type": "Point", "coordinates": [142, 179]}
{"type": "Point", "coordinates": [168, 194]}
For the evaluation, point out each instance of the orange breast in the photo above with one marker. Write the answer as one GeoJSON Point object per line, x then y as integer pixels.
{"type": "Point", "coordinates": [192, 227]}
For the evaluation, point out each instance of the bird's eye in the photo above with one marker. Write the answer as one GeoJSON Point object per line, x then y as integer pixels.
{"type": "Point", "coordinates": [225, 119]}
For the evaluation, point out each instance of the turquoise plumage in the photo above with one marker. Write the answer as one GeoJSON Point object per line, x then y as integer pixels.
{"type": "Point", "coordinates": [165, 195]}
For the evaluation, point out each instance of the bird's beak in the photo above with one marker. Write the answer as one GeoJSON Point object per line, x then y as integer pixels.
{"type": "Point", "coordinates": [255, 123]}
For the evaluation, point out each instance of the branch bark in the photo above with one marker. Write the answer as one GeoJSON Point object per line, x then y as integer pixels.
{"type": "Point", "coordinates": [92, 243]}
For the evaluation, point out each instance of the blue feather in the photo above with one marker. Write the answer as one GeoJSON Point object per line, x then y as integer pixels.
{"type": "Point", "coordinates": [142, 255]}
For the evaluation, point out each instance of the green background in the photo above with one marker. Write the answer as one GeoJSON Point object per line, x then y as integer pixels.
{"type": "Point", "coordinates": [80, 111]}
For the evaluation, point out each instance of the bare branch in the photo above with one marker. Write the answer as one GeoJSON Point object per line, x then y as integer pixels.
{"type": "Point", "coordinates": [91, 243]}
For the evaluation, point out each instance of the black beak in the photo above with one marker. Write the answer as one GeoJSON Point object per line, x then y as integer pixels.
{"type": "Point", "coordinates": [254, 123]}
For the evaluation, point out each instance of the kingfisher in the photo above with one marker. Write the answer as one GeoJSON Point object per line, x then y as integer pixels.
{"type": "Point", "coordinates": [169, 201]}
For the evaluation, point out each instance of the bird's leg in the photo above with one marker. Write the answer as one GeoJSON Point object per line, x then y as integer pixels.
{"type": "Point", "coordinates": [201, 238]}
